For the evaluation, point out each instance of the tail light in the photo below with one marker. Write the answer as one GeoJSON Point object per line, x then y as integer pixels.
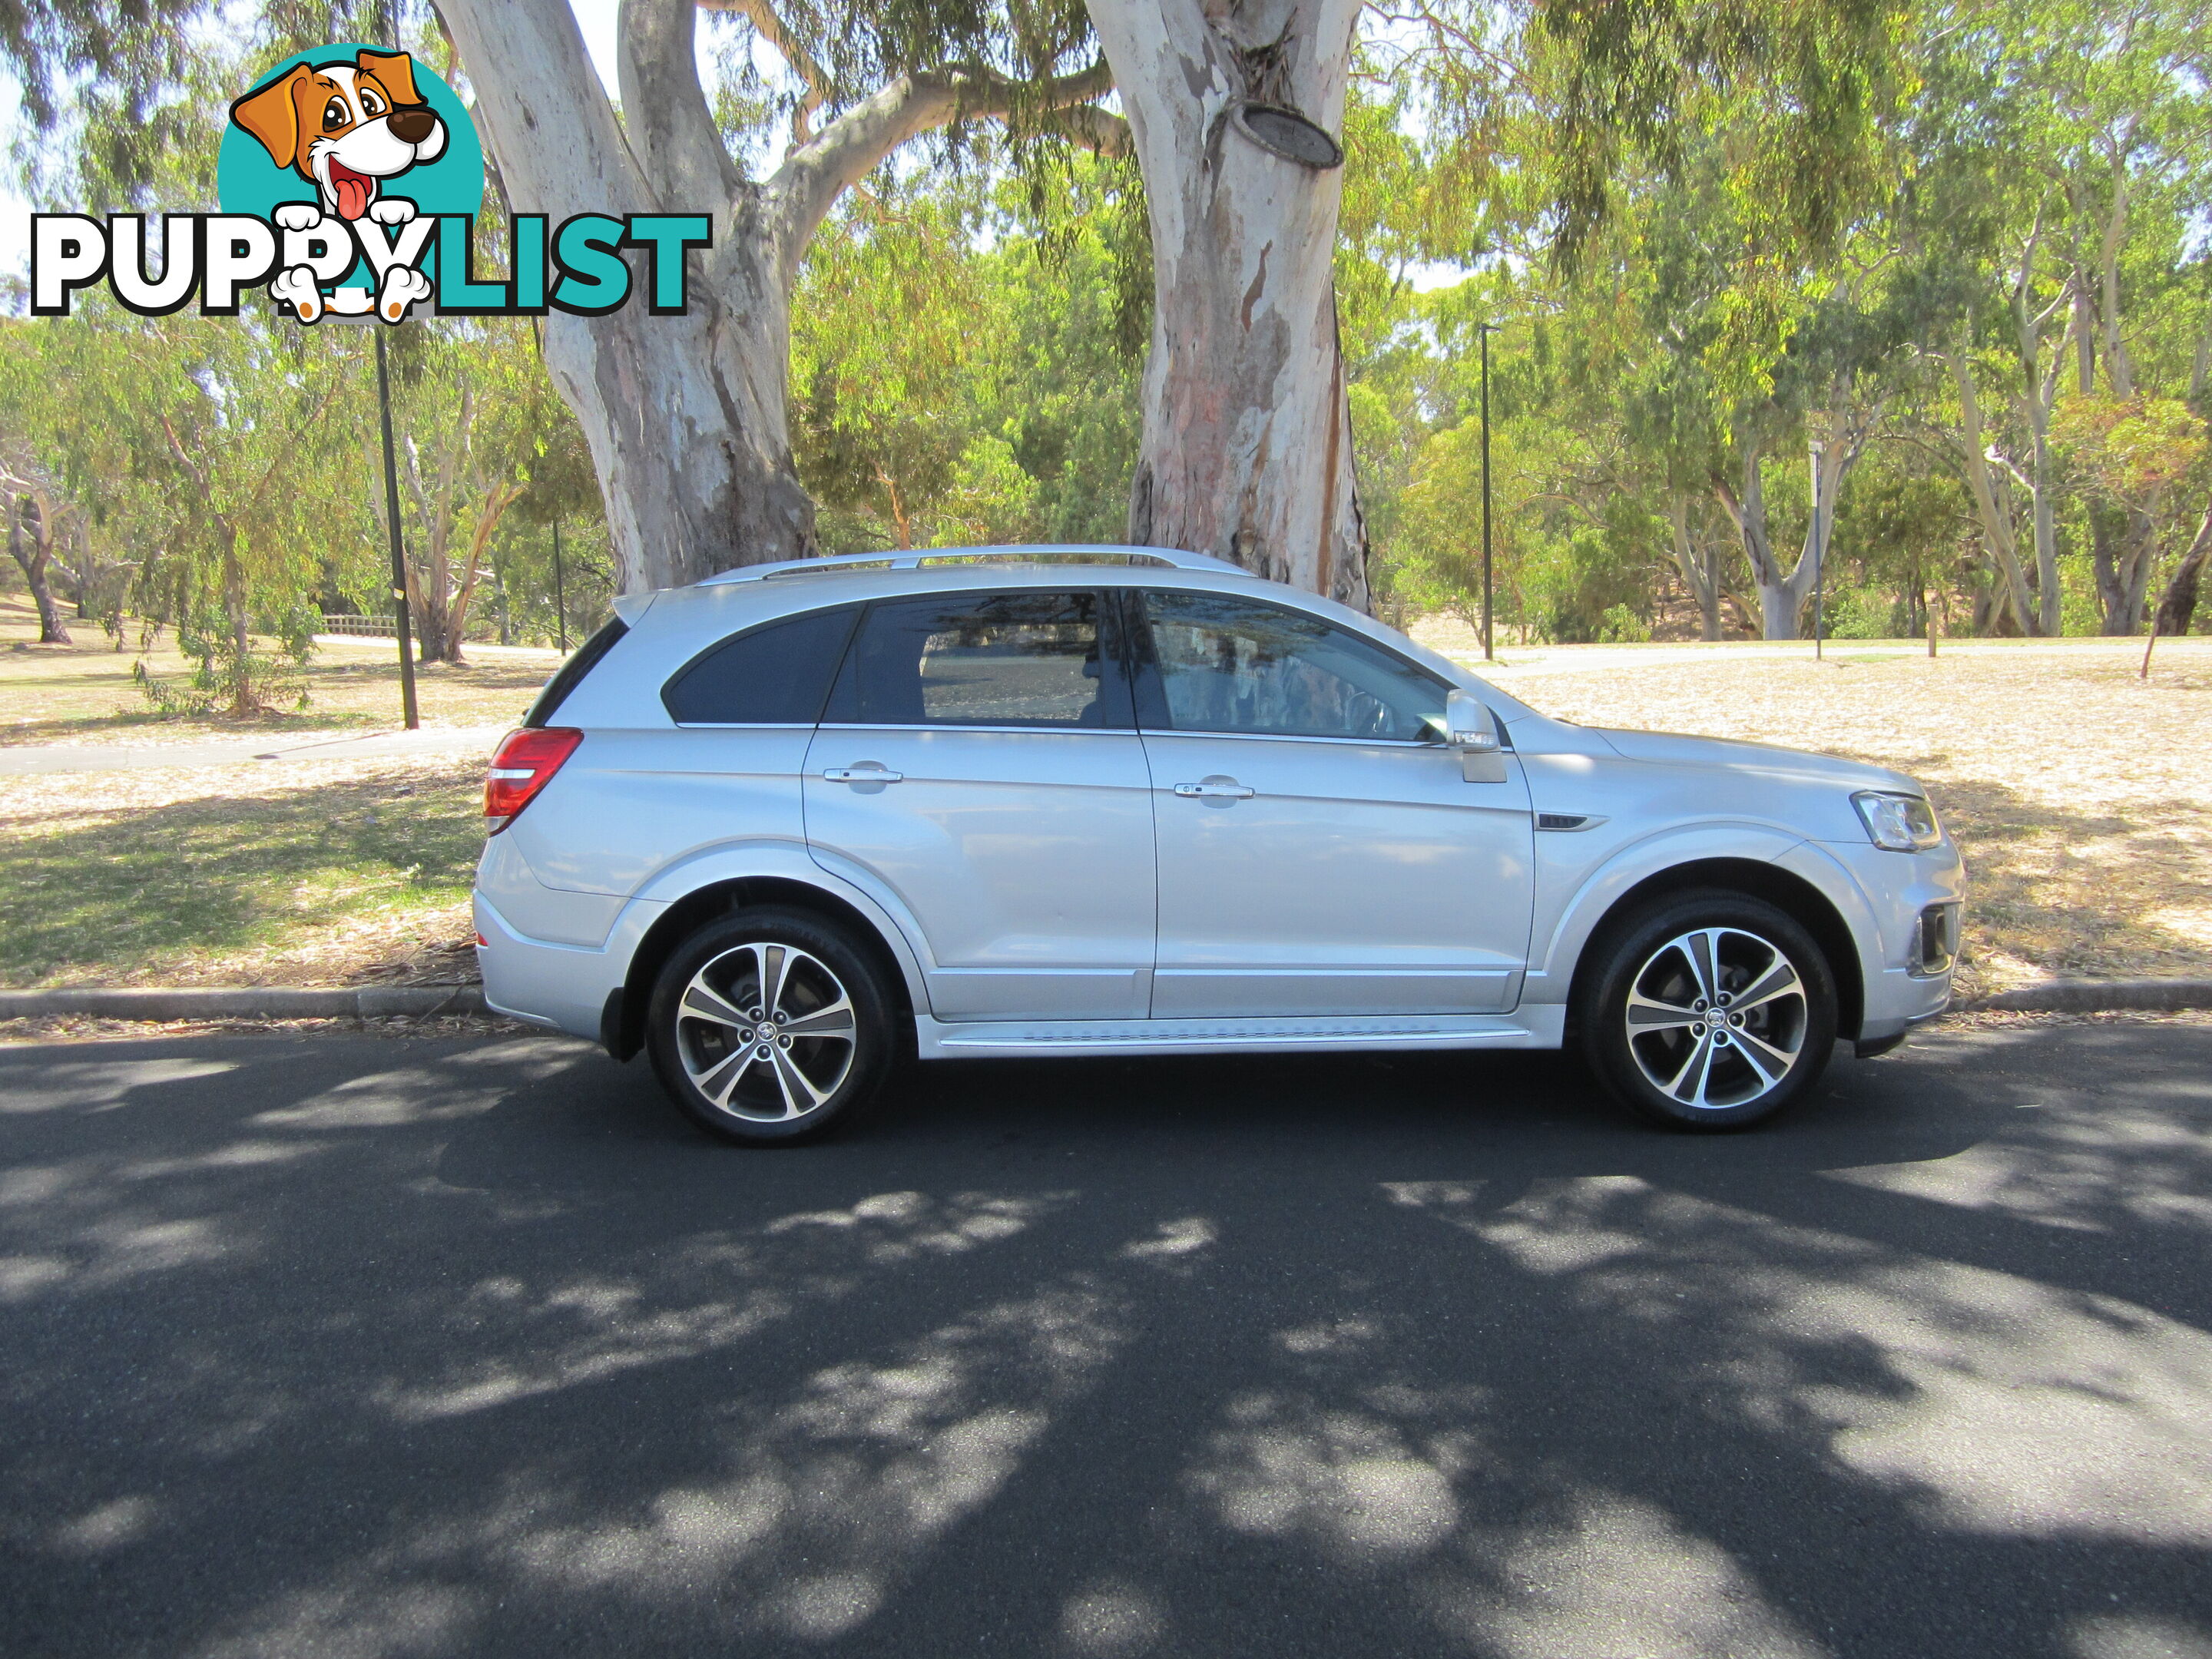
{"type": "Point", "coordinates": [524, 763]}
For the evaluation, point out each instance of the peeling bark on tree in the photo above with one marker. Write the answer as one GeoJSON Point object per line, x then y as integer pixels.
{"type": "Point", "coordinates": [1247, 450]}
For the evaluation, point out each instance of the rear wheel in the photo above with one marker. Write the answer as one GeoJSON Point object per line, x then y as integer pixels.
{"type": "Point", "coordinates": [1710, 1011]}
{"type": "Point", "coordinates": [769, 1027]}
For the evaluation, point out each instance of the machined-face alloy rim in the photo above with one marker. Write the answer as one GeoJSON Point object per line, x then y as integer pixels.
{"type": "Point", "coordinates": [766, 1032]}
{"type": "Point", "coordinates": [1717, 1017]}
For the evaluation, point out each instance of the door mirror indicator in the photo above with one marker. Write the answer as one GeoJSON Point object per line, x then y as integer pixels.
{"type": "Point", "coordinates": [1470, 729]}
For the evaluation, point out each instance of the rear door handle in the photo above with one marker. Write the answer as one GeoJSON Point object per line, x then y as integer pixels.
{"type": "Point", "coordinates": [1216, 789]}
{"type": "Point", "coordinates": [863, 774]}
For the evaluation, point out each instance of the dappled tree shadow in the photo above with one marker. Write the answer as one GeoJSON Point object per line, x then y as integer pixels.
{"type": "Point", "coordinates": [217, 873]}
{"type": "Point", "coordinates": [2081, 893]}
{"type": "Point", "coordinates": [477, 1347]}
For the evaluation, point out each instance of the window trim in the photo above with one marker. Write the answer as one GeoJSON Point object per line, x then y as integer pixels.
{"type": "Point", "coordinates": [1112, 648]}
{"type": "Point", "coordinates": [1150, 689]}
{"type": "Point", "coordinates": [701, 656]}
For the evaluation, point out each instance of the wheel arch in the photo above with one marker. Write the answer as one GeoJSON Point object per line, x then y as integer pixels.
{"type": "Point", "coordinates": [1803, 901]}
{"type": "Point", "coordinates": [622, 1026]}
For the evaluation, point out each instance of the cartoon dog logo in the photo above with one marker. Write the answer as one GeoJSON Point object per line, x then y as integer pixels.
{"type": "Point", "coordinates": [346, 128]}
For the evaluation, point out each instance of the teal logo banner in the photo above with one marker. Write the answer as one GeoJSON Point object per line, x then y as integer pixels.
{"type": "Point", "coordinates": [351, 181]}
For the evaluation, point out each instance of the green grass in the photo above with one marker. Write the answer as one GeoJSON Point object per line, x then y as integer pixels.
{"type": "Point", "coordinates": [101, 895]}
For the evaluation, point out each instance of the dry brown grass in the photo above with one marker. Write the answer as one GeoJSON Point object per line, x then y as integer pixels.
{"type": "Point", "coordinates": [2081, 795]}
{"type": "Point", "coordinates": [82, 693]}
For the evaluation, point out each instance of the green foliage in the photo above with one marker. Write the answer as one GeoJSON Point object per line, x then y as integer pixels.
{"type": "Point", "coordinates": [1003, 406]}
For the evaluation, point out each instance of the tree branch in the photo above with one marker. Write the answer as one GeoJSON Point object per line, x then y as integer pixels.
{"type": "Point", "coordinates": [1100, 132]}
{"type": "Point", "coordinates": [800, 193]}
{"type": "Point", "coordinates": [788, 46]}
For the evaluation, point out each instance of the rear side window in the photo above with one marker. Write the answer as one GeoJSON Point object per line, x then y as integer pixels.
{"type": "Point", "coordinates": [1029, 659]}
{"type": "Point", "coordinates": [776, 675]}
{"type": "Point", "coordinates": [572, 673]}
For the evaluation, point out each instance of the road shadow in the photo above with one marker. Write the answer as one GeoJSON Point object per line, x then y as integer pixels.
{"type": "Point", "coordinates": [388, 1347]}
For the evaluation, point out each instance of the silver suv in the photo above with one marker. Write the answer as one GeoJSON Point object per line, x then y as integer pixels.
{"type": "Point", "coordinates": [777, 827]}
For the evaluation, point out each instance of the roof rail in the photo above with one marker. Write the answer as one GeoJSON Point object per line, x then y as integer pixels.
{"type": "Point", "coordinates": [1169, 558]}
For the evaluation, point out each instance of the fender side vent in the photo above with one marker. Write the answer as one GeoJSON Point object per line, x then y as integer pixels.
{"type": "Point", "coordinates": [1563, 820]}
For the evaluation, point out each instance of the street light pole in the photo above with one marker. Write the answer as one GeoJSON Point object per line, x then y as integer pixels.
{"type": "Point", "coordinates": [1819, 541]}
{"type": "Point", "coordinates": [1484, 328]}
{"type": "Point", "coordinates": [560, 601]}
{"type": "Point", "coordinates": [399, 553]}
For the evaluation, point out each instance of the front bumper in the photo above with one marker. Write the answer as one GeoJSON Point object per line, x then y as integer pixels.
{"type": "Point", "coordinates": [1895, 891]}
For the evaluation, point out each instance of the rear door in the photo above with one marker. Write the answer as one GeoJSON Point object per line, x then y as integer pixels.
{"type": "Point", "coordinates": [1320, 852]}
{"type": "Point", "coordinates": [978, 762]}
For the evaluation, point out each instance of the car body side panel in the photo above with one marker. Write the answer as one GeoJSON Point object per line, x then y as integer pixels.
{"type": "Point", "coordinates": [779, 861]}
{"type": "Point", "coordinates": [1026, 855]}
{"type": "Point", "coordinates": [556, 915]}
{"type": "Point", "coordinates": [1573, 896]}
{"type": "Point", "coordinates": [1354, 878]}
{"type": "Point", "coordinates": [631, 803]}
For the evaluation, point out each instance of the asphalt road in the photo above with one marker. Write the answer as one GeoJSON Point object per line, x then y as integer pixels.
{"type": "Point", "coordinates": [366, 1346]}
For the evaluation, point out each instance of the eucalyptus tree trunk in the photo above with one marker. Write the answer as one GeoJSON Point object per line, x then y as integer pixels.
{"type": "Point", "coordinates": [35, 563]}
{"type": "Point", "coordinates": [685, 415]}
{"type": "Point", "coordinates": [2037, 396]}
{"type": "Point", "coordinates": [1990, 506]}
{"type": "Point", "coordinates": [1247, 450]}
{"type": "Point", "coordinates": [2176, 606]}
{"type": "Point", "coordinates": [1694, 556]}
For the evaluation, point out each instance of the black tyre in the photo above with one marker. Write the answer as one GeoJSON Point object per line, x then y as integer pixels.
{"type": "Point", "coordinates": [769, 1027]}
{"type": "Point", "coordinates": [1710, 1010]}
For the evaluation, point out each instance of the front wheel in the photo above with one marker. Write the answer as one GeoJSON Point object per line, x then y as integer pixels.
{"type": "Point", "coordinates": [769, 1027]}
{"type": "Point", "coordinates": [1710, 1011]}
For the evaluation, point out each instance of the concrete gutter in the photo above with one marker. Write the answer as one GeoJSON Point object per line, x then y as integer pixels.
{"type": "Point", "coordinates": [2100, 996]}
{"type": "Point", "coordinates": [245, 1002]}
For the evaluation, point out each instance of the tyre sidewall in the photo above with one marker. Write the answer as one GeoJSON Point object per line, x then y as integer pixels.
{"type": "Point", "coordinates": [871, 1019]}
{"type": "Point", "coordinates": [1601, 1017]}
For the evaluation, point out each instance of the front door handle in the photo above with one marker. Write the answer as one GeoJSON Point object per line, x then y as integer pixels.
{"type": "Point", "coordinates": [867, 774]}
{"type": "Point", "coordinates": [1214, 789]}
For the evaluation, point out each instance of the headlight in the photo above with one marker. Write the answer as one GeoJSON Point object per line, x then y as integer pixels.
{"type": "Point", "coordinates": [1903, 823]}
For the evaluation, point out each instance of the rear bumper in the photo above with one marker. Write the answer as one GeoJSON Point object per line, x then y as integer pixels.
{"type": "Point", "coordinates": [563, 986]}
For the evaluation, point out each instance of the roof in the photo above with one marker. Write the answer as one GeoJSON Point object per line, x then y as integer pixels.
{"type": "Point", "coordinates": [1167, 558]}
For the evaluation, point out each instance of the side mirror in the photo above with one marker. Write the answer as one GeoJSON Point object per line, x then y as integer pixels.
{"type": "Point", "coordinates": [1469, 728]}
{"type": "Point", "coordinates": [1467, 724]}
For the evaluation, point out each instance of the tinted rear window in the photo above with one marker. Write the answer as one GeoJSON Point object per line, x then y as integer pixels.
{"type": "Point", "coordinates": [572, 672]}
{"type": "Point", "coordinates": [776, 675]}
{"type": "Point", "coordinates": [1027, 658]}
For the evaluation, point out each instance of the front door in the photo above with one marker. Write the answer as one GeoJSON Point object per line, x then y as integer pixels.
{"type": "Point", "coordinates": [1320, 852]}
{"type": "Point", "coordinates": [977, 762]}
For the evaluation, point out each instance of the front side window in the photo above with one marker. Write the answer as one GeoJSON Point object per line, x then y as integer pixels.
{"type": "Point", "coordinates": [1233, 664]}
{"type": "Point", "coordinates": [1043, 660]}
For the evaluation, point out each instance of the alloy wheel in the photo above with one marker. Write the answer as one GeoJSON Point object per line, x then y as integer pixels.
{"type": "Point", "coordinates": [1717, 1017]}
{"type": "Point", "coordinates": [766, 1032]}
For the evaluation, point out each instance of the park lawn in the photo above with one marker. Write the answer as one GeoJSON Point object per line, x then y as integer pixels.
{"type": "Point", "coordinates": [307, 873]}
{"type": "Point", "coordinates": [82, 693]}
{"type": "Point", "coordinates": [2080, 794]}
